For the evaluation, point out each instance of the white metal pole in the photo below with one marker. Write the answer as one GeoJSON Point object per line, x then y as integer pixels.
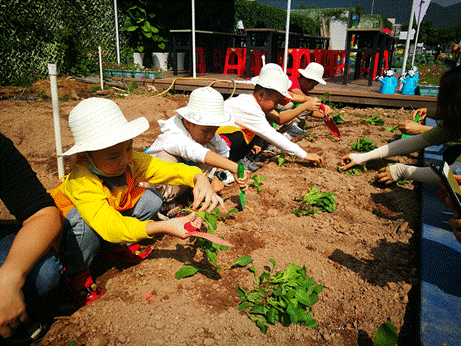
{"type": "Point", "coordinates": [417, 32]}
{"type": "Point", "coordinates": [194, 73]}
{"type": "Point", "coordinates": [407, 43]}
{"type": "Point", "coordinates": [372, 6]}
{"type": "Point", "coordinates": [287, 35]}
{"type": "Point", "coordinates": [57, 124]}
{"type": "Point", "coordinates": [116, 32]}
{"type": "Point", "coordinates": [101, 79]}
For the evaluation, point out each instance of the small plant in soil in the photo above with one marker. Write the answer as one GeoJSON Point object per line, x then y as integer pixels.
{"type": "Point", "coordinates": [337, 119]}
{"type": "Point", "coordinates": [257, 181]}
{"type": "Point", "coordinates": [386, 335]}
{"type": "Point", "coordinates": [374, 120]}
{"type": "Point", "coordinates": [281, 160]}
{"type": "Point", "coordinates": [211, 249]}
{"type": "Point", "coordinates": [363, 144]}
{"type": "Point", "coordinates": [315, 201]}
{"type": "Point", "coordinates": [391, 128]}
{"type": "Point", "coordinates": [357, 169]}
{"type": "Point", "coordinates": [284, 296]}
{"type": "Point", "coordinates": [310, 138]}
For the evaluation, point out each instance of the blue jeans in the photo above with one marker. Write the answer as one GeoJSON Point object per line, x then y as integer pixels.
{"type": "Point", "coordinates": [44, 276]}
{"type": "Point", "coordinates": [82, 243]}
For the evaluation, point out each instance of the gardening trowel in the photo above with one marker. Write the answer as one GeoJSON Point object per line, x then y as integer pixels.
{"type": "Point", "coordinates": [241, 171]}
{"type": "Point", "coordinates": [195, 232]}
{"type": "Point", "coordinates": [329, 122]}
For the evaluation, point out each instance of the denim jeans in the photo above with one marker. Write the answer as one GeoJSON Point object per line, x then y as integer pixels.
{"type": "Point", "coordinates": [82, 243]}
{"type": "Point", "coordinates": [44, 276]}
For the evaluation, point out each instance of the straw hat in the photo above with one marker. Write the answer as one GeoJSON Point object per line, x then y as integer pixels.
{"type": "Point", "coordinates": [98, 123]}
{"type": "Point", "coordinates": [273, 77]}
{"type": "Point", "coordinates": [205, 107]}
{"type": "Point", "coordinates": [313, 71]}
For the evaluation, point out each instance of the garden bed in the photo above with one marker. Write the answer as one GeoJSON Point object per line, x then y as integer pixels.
{"type": "Point", "coordinates": [364, 253]}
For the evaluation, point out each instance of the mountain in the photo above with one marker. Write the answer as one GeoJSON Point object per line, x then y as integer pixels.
{"type": "Point", "coordinates": [441, 17]}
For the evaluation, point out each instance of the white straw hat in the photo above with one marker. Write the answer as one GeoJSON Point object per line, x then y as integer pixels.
{"type": "Point", "coordinates": [98, 123]}
{"type": "Point", "coordinates": [205, 107]}
{"type": "Point", "coordinates": [273, 77]}
{"type": "Point", "coordinates": [313, 71]}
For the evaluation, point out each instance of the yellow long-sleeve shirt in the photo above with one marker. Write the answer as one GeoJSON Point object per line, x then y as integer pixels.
{"type": "Point", "coordinates": [95, 202]}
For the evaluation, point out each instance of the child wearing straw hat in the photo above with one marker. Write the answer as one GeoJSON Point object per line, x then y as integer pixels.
{"type": "Point", "coordinates": [294, 114]}
{"type": "Point", "coordinates": [250, 113]}
{"type": "Point", "coordinates": [190, 137]}
{"type": "Point", "coordinates": [101, 201]}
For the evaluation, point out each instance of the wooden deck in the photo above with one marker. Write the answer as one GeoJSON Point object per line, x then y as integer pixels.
{"type": "Point", "coordinates": [355, 92]}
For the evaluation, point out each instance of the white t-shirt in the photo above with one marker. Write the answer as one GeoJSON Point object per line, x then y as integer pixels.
{"type": "Point", "coordinates": [177, 141]}
{"type": "Point", "coordinates": [246, 113]}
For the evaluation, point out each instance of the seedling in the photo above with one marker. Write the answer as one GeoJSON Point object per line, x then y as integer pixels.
{"type": "Point", "coordinates": [281, 160]}
{"type": "Point", "coordinates": [403, 181]}
{"type": "Point", "coordinates": [211, 249]}
{"type": "Point", "coordinates": [310, 138]}
{"type": "Point", "coordinates": [257, 181]}
{"type": "Point", "coordinates": [355, 169]}
{"type": "Point", "coordinates": [386, 335]}
{"type": "Point", "coordinates": [284, 296]}
{"type": "Point", "coordinates": [314, 201]}
{"type": "Point", "coordinates": [337, 118]}
{"type": "Point", "coordinates": [363, 144]}
{"type": "Point", "coordinates": [391, 128]}
{"type": "Point", "coordinates": [324, 96]}
{"type": "Point", "coordinates": [374, 120]}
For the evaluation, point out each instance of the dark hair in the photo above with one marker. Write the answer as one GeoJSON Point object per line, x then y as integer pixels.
{"type": "Point", "coordinates": [449, 98]}
{"type": "Point", "coordinates": [268, 91]}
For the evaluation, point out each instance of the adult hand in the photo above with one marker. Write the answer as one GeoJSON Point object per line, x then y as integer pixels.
{"type": "Point", "coordinates": [345, 162]}
{"type": "Point", "coordinates": [422, 112]}
{"type": "Point", "coordinates": [409, 127]}
{"type": "Point", "coordinates": [315, 159]}
{"type": "Point", "coordinates": [12, 306]}
{"type": "Point", "coordinates": [203, 192]}
{"type": "Point", "coordinates": [384, 176]}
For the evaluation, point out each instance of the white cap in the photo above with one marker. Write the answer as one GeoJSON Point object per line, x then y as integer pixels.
{"type": "Point", "coordinates": [205, 107]}
{"type": "Point", "coordinates": [273, 77]}
{"type": "Point", "coordinates": [98, 123]}
{"type": "Point", "coordinates": [313, 71]}
{"type": "Point", "coordinates": [389, 73]}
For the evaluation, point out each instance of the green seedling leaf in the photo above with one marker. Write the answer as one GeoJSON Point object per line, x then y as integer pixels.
{"type": "Point", "coordinates": [281, 160]}
{"type": "Point", "coordinates": [325, 96]}
{"type": "Point", "coordinates": [386, 335]}
{"type": "Point", "coordinates": [243, 261]}
{"type": "Point", "coordinates": [374, 120]}
{"type": "Point", "coordinates": [403, 181]}
{"type": "Point", "coordinates": [337, 119]}
{"type": "Point", "coordinates": [363, 144]}
{"type": "Point", "coordinates": [257, 181]}
{"type": "Point", "coordinates": [284, 296]}
{"type": "Point", "coordinates": [391, 128]}
{"type": "Point", "coordinates": [185, 272]}
{"type": "Point", "coordinates": [315, 201]}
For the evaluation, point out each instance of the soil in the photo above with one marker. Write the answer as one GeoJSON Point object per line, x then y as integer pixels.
{"type": "Point", "coordinates": [365, 253]}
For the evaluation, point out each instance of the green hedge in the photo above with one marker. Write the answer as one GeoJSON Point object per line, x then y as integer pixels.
{"type": "Point", "coordinates": [67, 32]}
{"type": "Point", "coordinates": [256, 15]}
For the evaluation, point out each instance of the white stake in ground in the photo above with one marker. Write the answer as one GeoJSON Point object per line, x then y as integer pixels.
{"type": "Point", "coordinates": [101, 79]}
{"type": "Point", "coordinates": [56, 121]}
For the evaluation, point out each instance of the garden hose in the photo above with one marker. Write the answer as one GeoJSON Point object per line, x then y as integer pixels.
{"type": "Point", "coordinates": [211, 84]}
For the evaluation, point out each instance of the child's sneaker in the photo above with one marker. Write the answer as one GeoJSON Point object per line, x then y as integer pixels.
{"type": "Point", "coordinates": [132, 254]}
{"type": "Point", "coordinates": [84, 289]}
{"type": "Point", "coordinates": [249, 165]}
{"type": "Point", "coordinates": [294, 130]}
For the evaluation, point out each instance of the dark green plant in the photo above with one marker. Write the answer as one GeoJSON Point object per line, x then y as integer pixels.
{"type": "Point", "coordinates": [386, 335]}
{"type": "Point", "coordinates": [209, 248]}
{"type": "Point", "coordinates": [141, 31]}
{"type": "Point", "coordinates": [315, 201]}
{"type": "Point", "coordinates": [374, 120]}
{"type": "Point", "coordinates": [284, 296]}
{"type": "Point", "coordinates": [355, 170]}
{"type": "Point", "coordinates": [363, 144]}
{"type": "Point", "coordinates": [337, 119]}
{"type": "Point", "coordinates": [391, 128]}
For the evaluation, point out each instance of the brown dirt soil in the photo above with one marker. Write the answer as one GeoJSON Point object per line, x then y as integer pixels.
{"type": "Point", "coordinates": [364, 253]}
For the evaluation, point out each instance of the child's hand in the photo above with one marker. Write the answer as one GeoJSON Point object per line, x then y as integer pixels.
{"type": "Point", "coordinates": [175, 227]}
{"type": "Point", "coordinates": [313, 104]}
{"type": "Point", "coordinates": [346, 162]}
{"type": "Point", "coordinates": [203, 192]}
{"type": "Point", "coordinates": [328, 110]}
{"type": "Point", "coordinates": [241, 182]}
{"type": "Point", "coordinates": [216, 184]}
{"type": "Point", "coordinates": [256, 149]}
{"type": "Point", "coordinates": [384, 176]}
{"type": "Point", "coordinates": [315, 159]}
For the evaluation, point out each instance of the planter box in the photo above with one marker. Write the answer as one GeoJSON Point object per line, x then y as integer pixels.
{"type": "Point", "coordinates": [139, 74]}
{"type": "Point", "coordinates": [153, 75]}
{"type": "Point", "coordinates": [107, 73]}
{"type": "Point", "coordinates": [116, 73]}
{"type": "Point", "coordinates": [425, 90]}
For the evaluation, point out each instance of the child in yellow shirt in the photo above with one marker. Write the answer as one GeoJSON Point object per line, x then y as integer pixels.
{"type": "Point", "coordinates": [100, 199]}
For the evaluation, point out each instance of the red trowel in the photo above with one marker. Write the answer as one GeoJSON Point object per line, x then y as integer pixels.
{"type": "Point", "coordinates": [194, 232]}
{"type": "Point", "coordinates": [329, 122]}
